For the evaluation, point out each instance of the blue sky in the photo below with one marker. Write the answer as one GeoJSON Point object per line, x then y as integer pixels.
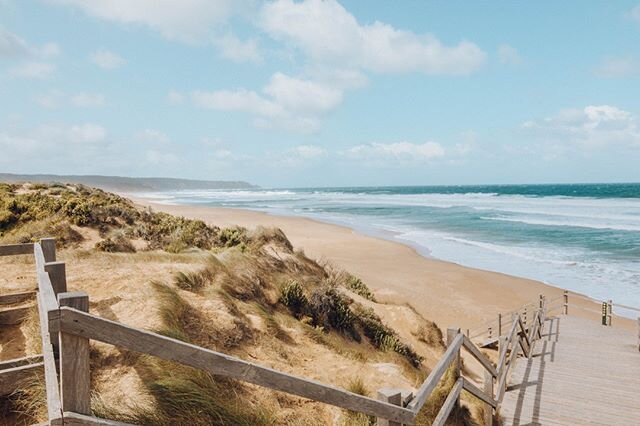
{"type": "Point", "coordinates": [316, 93]}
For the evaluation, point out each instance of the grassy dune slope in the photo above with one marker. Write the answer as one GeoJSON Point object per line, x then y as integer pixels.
{"type": "Point", "coordinates": [248, 293]}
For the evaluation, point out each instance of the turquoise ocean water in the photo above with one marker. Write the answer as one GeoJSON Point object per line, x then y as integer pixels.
{"type": "Point", "coordinates": [582, 237]}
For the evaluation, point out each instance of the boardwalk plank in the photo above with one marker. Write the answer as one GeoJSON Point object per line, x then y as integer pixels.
{"type": "Point", "coordinates": [586, 374]}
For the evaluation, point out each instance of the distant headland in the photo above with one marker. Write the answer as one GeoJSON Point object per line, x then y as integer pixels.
{"type": "Point", "coordinates": [128, 184]}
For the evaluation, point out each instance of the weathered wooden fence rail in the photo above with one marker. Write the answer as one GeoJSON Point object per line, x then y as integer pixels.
{"type": "Point", "coordinates": [67, 327]}
{"type": "Point", "coordinates": [489, 333]}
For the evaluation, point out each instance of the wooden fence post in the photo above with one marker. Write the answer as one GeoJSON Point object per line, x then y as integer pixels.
{"type": "Point", "coordinates": [502, 346]}
{"type": "Point", "coordinates": [57, 275]}
{"type": "Point", "coordinates": [452, 332]}
{"type": "Point", "coordinates": [609, 312]}
{"type": "Point", "coordinates": [540, 301]}
{"type": "Point", "coordinates": [488, 389]}
{"type": "Point", "coordinates": [392, 396]}
{"type": "Point", "coordinates": [499, 325]}
{"type": "Point", "coordinates": [604, 313]}
{"type": "Point", "coordinates": [566, 302]}
{"type": "Point", "coordinates": [75, 386]}
{"type": "Point", "coordinates": [48, 249]}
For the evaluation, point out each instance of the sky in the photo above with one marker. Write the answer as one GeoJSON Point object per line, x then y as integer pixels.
{"type": "Point", "coordinates": [322, 93]}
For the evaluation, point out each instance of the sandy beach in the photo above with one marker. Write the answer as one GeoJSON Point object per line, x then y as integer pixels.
{"type": "Point", "coordinates": [445, 292]}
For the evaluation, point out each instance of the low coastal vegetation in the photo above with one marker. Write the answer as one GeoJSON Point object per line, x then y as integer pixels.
{"type": "Point", "coordinates": [29, 212]}
{"type": "Point", "coordinates": [244, 292]}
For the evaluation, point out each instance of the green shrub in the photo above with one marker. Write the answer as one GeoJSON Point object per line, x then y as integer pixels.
{"type": "Point", "coordinates": [358, 287]}
{"type": "Point", "coordinates": [117, 244]}
{"type": "Point", "coordinates": [330, 309]}
{"type": "Point", "coordinates": [292, 296]}
{"type": "Point", "coordinates": [383, 337]}
{"type": "Point", "coordinates": [7, 218]}
{"type": "Point", "coordinates": [88, 207]}
{"type": "Point", "coordinates": [231, 237]}
{"type": "Point", "coordinates": [174, 234]}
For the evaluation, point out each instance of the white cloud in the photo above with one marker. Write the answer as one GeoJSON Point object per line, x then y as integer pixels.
{"type": "Point", "coordinates": [88, 100]}
{"type": "Point", "coordinates": [237, 100]}
{"type": "Point", "coordinates": [307, 96]}
{"type": "Point", "coordinates": [87, 133]}
{"type": "Point", "coordinates": [618, 67]}
{"type": "Point", "coordinates": [64, 149]}
{"type": "Point", "coordinates": [11, 45]}
{"type": "Point", "coordinates": [396, 153]}
{"type": "Point", "coordinates": [595, 126]}
{"type": "Point", "coordinates": [45, 141]}
{"type": "Point", "coordinates": [635, 14]}
{"type": "Point", "coordinates": [48, 50]}
{"type": "Point", "coordinates": [211, 142]}
{"type": "Point", "coordinates": [285, 102]}
{"type": "Point", "coordinates": [222, 154]}
{"type": "Point", "coordinates": [186, 20]}
{"type": "Point", "coordinates": [509, 55]}
{"type": "Point", "coordinates": [33, 70]}
{"type": "Point", "coordinates": [327, 33]}
{"type": "Point", "coordinates": [157, 158]}
{"type": "Point", "coordinates": [237, 50]}
{"type": "Point", "coordinates": [153, 136]}
{"type": "Point", "coordinates": [175, 98]}
{"type": "Point", "coordinates": [56, 98]}
{"type": "Point", "coordinates": [308, 152]}
{"type": "Point", "coordinates": [297, 156]}
{"type": "Point", "coordinates": [50, 100]}
{"type": "Point", "coordinates": [106, 59]}
{"type": "Point", "coordinates": [468, 143]}
{"type": "Point", "coordinates": [339, 78]}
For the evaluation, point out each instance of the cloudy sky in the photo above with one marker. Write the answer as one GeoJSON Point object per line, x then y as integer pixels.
{"type": "Point", "coordinates": [321, 93]}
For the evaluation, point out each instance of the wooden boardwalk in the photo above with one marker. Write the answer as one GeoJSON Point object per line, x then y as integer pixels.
{"type": "Point", "coordinates": [582, 373]}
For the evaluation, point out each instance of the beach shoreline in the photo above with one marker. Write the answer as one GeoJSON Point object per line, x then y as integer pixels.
{"type": "Point", "coordinates": [448, 293]}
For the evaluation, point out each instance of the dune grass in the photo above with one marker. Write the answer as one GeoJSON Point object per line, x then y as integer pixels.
{"type": "Point", "coordinates": [184, 395]}
{"type": "Point", "coordinates": [27, 405]}
{"type": "Point", "coordinates": [353, 418]}
{"type": "Point", "coordinates": [246, 274]}
{"type": "Point", "coordinates": [460, 416]}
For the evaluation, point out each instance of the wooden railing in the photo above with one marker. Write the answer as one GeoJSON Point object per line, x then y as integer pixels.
{"type": "Point", "coordinates": [67, 327]}
{"type": "Point", "coordinates": [489, 332]}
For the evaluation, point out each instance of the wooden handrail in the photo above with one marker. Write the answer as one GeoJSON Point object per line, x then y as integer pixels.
{"type": "Point", "coordinates": [438, 371]}
{"type": "Point", "coordinates": [77, 419]}
{"type": "Point", "coordinates": [473, 350]}
{"type": "Point", "coordinates": [482, 329]}
{"type": "Point", "coordinates": [52, 386]}
{"type": "Point", "coordinates": [473, 389]}
{"type": "Point", "coordinates": [72, 321]}
{"type": "Point", "coordinates": [16, 249]}
{"type": "Point", "coordinates": [449, 403]}
{"type": "Point", "coordinates": [523, 333]}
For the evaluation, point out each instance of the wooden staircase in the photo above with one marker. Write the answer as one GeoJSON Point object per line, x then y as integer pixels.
{"type": "Point", "coordinates": [581, 373]}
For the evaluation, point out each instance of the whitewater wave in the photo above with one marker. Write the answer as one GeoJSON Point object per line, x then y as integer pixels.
{"type": "Point", "coordinates": [543, 222]}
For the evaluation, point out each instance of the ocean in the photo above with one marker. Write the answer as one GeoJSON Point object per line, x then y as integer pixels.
{"type": "Point", "coordinates": [581, 237]}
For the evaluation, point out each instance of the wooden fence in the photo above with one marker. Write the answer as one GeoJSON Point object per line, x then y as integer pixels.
{"type": "Point", "coordinates": [67, 327]}
{"type": "Point", "coordinates": [488, 333]}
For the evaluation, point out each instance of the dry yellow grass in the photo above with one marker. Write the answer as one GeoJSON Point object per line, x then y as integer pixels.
{"type": "Point", "coordinates": [229, 299]}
